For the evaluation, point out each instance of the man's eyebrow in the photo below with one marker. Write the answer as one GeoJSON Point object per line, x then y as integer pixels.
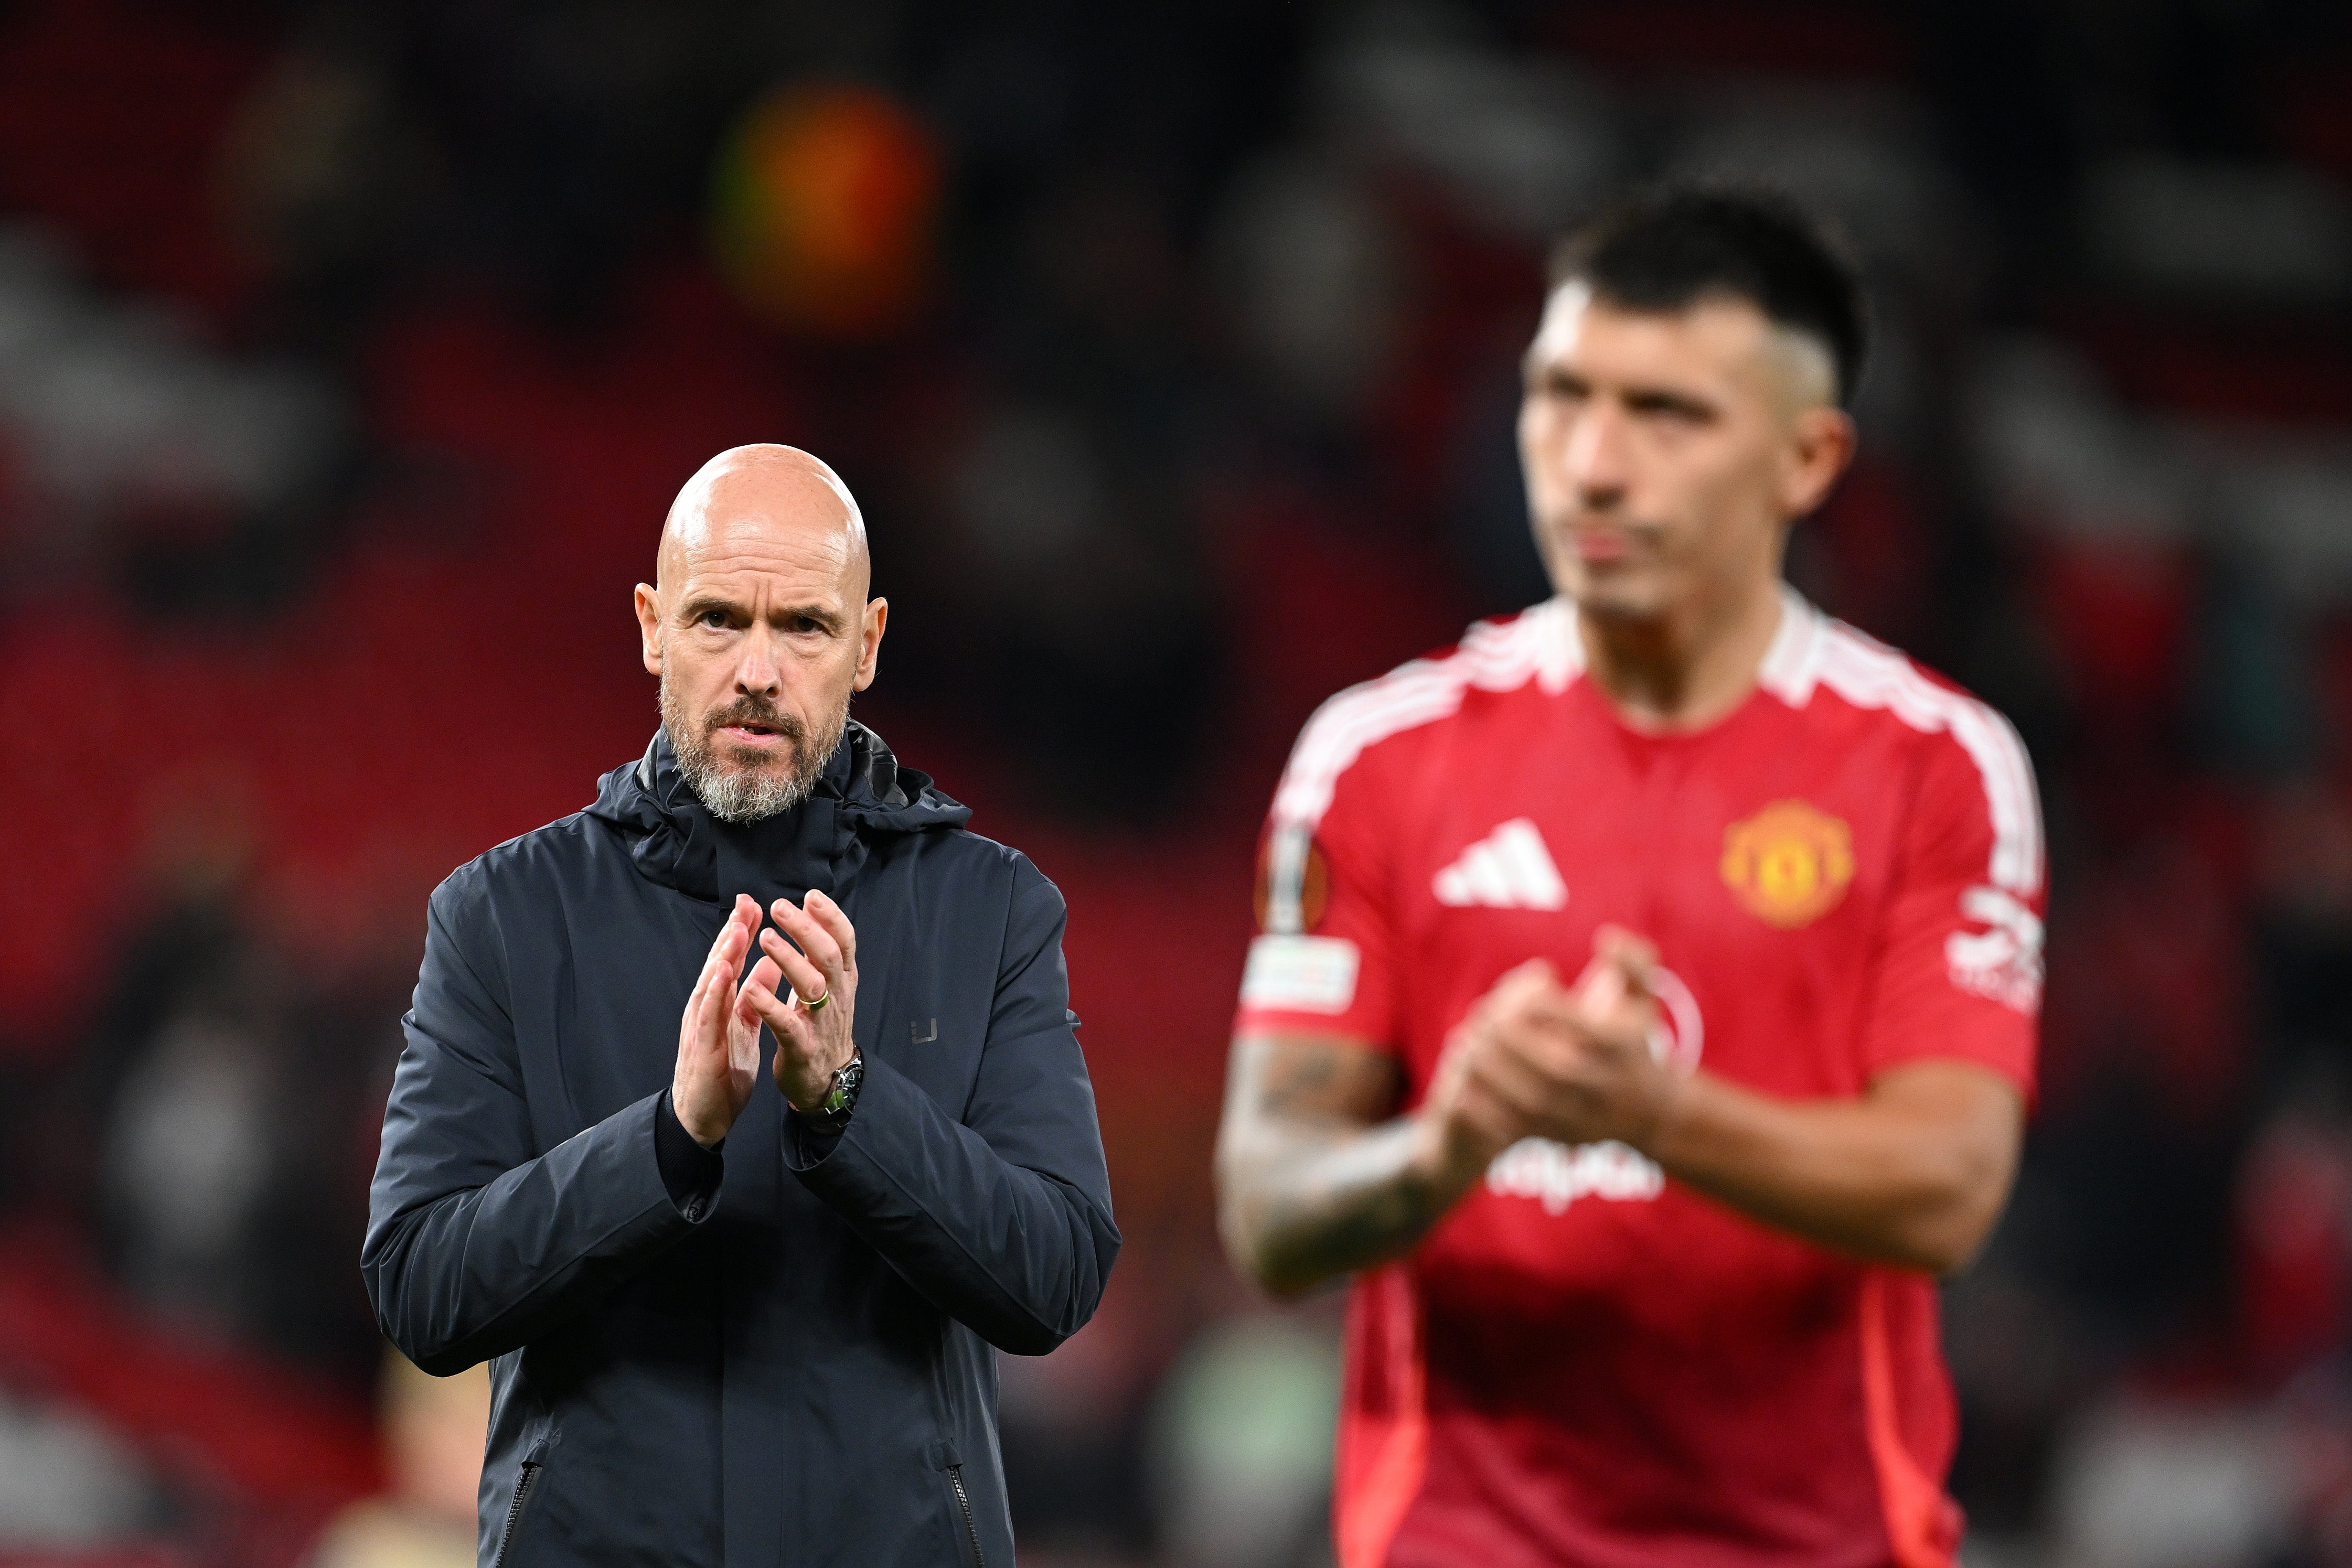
{"type": "Point", "coordinates": [700, 604]}
{"type": "Point", "coordinates": [1671, 400]}
{"type": "Point", "coordinates": [1534, 367]}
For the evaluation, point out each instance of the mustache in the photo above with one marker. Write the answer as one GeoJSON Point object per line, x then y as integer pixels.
{"type": "Point", "coordinates": [750, 711]}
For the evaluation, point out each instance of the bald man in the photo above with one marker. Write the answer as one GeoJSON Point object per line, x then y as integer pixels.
{"type": "Point", "coordinates": [739, 1288]}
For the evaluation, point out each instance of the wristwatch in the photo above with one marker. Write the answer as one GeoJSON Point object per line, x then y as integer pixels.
{"type": "Point", "coordinates": [831, 1113]}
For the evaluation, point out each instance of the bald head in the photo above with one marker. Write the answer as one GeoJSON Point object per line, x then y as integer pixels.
{"type": "Point", "coordinates": [764, 486]}
{"type": "Point", "coordinates": [758, 625]}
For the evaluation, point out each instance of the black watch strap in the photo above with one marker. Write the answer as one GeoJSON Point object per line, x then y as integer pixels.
{"type": "Point", "coordinates": [832, 1114]}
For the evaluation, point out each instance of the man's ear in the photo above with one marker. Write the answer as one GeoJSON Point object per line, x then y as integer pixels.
{"type": "Point", "coordinates": [869, 651]}
{"type": "Point", "coordinates": [649, 617]}
{"type": "Point", "coordinates": [1820, 447]}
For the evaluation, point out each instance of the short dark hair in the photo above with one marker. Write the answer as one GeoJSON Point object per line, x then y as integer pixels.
{"type": "Point", "coordinates": [1665, 249]}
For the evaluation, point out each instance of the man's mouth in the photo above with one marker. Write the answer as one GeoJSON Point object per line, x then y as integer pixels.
{"type": "Point", "coordinates": [754, 733]}
{"type": "Point", "coordinates": [1595, 545]}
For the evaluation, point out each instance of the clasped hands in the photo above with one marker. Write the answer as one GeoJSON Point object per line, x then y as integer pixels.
{"type": "Point", "coordinates": [719, 1035]}
{"type": "Point", "coordinates": [1536, 1058]}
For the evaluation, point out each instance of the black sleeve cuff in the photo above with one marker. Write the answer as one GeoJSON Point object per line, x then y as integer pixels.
{"type": "Point", "coordinates": [812, 1138]}
{"type": "Point", "coordinates": [689, 1171]}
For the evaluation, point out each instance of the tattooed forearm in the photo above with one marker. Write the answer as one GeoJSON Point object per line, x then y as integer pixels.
{"type": "Point", "coordinates": [1330, 1206]}
{"type": "Point", "coordinates": [1315, 1180]}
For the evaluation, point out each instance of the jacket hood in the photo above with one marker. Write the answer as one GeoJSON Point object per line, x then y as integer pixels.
{"type": "Point", "coordinates": [862, 791]}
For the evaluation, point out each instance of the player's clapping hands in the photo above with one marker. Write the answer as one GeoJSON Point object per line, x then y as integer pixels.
{"type": "Point", "coordinates": [1536, 1058]}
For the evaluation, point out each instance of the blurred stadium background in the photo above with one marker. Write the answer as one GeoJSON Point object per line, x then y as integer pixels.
{"type": "Point", "coordinates": [350, 352]}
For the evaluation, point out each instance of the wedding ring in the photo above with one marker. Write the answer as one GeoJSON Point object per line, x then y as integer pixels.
{"type": "Point", "coordinates": [816, 1004]}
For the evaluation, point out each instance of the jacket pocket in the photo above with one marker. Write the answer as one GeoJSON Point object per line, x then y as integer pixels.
{"type": "Point", "coordinates": [526, 1480]}
{"type": "Point", "coordinates": [966, 1522]}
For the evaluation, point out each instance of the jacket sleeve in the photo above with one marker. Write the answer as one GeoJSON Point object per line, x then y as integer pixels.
{"type": "Point", "coordinates": [477, 1243]}
{"type": "Point", "coordinates": [1003, 1220]}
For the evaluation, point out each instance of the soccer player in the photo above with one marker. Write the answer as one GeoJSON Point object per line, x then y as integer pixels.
{"type": "Point", "coordinates": [1645, 1006]}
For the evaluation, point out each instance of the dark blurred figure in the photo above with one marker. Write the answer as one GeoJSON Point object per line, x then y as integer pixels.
{"type": "Point", "coordinates": [226, 1092]}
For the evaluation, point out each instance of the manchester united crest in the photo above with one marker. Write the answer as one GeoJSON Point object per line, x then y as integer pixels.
{"type": "Point", "coordinates": [1788, 863]}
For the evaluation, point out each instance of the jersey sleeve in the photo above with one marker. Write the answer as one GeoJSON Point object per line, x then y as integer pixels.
{"type": "Point", "coordinates": [1322, 962]}
{"type": "Point", "coordinates": [1960, 973]}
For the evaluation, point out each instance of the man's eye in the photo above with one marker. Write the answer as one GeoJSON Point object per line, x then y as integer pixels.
{"type": "Point", "coordinates": [805, 624]}
{"type": "Point", "coordinates": [1671, 411]}
{"type": "Point", "coordinates": [712, 618]}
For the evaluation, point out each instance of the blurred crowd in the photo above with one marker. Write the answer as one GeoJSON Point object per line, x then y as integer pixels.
{"type": "Point", "coordinates": [348, 352]}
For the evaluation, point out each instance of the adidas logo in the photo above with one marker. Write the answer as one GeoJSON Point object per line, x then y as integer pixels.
{"type": "Point", "coordinates": [1507, 869]}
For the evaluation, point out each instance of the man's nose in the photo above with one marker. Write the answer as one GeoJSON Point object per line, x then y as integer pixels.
{"type": "Point", "coordinates": [1594, 460]}
{"type": "Point", "coordinates": [758, 672]}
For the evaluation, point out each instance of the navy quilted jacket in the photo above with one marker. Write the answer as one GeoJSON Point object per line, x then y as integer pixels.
{"type": "Point", "coordinates": [796, 1369]}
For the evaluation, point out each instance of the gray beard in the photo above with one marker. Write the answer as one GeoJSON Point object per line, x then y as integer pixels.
{"type": "Point", "coordinates": [737, 794]}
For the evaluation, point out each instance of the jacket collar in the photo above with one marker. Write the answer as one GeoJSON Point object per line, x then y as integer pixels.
{"type": "Point", "coordinates": [674, 839]}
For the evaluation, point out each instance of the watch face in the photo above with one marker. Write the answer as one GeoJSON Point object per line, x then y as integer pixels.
{"type": "Point", "coordinates": [845, 1081]}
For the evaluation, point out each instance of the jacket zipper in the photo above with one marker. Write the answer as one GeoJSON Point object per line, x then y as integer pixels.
{"type": "Point", "coordinates": [514, 1510]}
{"type": "Point", "coordinates": [970, 1525]}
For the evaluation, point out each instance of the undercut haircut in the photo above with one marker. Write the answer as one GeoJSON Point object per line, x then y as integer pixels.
{"type": "Point", "coordinates": [1662, 251]}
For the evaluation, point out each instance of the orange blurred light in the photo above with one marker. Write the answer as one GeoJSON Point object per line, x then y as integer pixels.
{"type": "Point", "coordinates": [824, 209]}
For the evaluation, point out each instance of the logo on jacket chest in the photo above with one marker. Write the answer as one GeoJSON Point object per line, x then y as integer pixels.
{"type": "Point", "coordinates": [1789, 863]}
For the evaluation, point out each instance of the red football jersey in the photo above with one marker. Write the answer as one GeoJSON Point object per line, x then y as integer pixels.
{"type": "Point", "coordinates": [1587, 1364]}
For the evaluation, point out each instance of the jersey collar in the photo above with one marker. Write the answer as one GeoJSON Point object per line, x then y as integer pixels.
{"type": "Point", "coordinates": [1793, 663]}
